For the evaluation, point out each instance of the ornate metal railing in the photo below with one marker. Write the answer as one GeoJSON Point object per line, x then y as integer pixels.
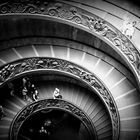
{"type": "Point", "coordinates": [40, 64]}
{"type": "Point", "coordinates": [82, 18]}
{"type": "Point", "coordinates": [45, 104]}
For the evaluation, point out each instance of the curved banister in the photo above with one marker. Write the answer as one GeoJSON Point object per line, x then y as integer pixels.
{"type": "Point", "coordinates": [40, 64]}
{"type": "Point", "coordinates": [85, 20]}
{"type": "Point", "coordinates": [58, 104]}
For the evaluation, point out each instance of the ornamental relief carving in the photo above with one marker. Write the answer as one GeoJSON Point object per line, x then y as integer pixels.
{"type": "Point", "coordinates": [80, 17]}
{"type": "Point", "coordinates": [46, 104]}
{"type": "Point", "coordinates": [16, 68]}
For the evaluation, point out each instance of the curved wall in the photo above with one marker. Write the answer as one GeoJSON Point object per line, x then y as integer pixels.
{"type": "Point", "coordinates": [112, 71]}
{"type": "Point", "coordinates": [114, 11]}
{"type": "Point", "coordinates": [114, 75]}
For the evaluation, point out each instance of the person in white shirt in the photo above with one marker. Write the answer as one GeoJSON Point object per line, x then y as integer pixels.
{"type": "Point", "coordinates": [56, 94]}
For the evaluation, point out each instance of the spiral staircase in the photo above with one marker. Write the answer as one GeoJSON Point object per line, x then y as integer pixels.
{"type": "Point", "coordinates": [47, 42]}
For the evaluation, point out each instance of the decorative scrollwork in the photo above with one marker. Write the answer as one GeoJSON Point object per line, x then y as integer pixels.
{"type": "Point", "coordinates": [128, 26]}
{"type": "Point", "coordinates": [71, 13]}
{"type": "Point", "coordinates": [17, 8]}
{"type": "Point", "coordinates": [80, 17]}
{"type": "Point", "coordinates": [44, 104]}
{"type": "Point", "coordinates": [35, 64]}
{"type": "Point", "coordinates": [6, 72]}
